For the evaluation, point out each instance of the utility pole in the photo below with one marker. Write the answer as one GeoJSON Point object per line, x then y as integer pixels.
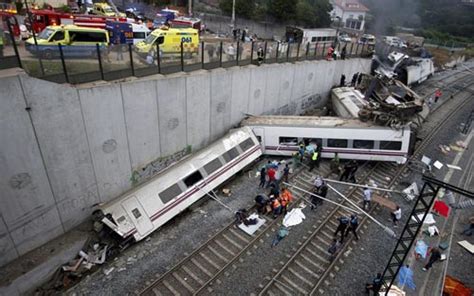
{"type": "Point", "coordinates": [190, 7]}
{"type": "Point", "coordinates": [233, 14]}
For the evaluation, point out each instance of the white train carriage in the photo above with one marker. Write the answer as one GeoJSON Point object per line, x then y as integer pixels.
{"type": "Point", "coordinates": [350, 138]}
{"type": "Point", "coordinates": [142, 210]}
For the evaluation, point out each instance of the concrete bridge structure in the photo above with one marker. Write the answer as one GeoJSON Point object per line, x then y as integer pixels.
{"type": "Point", "coordinates": [66, 148]}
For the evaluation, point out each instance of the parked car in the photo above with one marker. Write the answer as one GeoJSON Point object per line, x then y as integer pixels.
{"type": "Point", "coordinates": [344, 38]}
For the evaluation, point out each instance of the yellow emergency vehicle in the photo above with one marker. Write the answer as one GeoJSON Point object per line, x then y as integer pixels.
{"type": "Point", "coordinates": [169, 41]}
{"type": "Point", "coordinates": [77, 41]}
{"type": "Point", "coordinates": [105, 10]}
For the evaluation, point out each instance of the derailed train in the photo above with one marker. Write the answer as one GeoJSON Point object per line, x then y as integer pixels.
{"type": "Point", "coordinates": [140, 211]}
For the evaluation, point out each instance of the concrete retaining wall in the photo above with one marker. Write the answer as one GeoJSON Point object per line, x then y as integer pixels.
{"type": "Point", "coordinates": [67, 148]}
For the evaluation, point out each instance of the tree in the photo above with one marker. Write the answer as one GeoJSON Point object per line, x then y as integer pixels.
{"type": "Point", "coordinates": [313, 13]}
{"type": "Point", "coordinates": [282, 10]}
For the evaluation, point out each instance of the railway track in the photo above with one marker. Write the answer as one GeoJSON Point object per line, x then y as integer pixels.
{"type": "Point", "coordinates": [222, 253]}
{"type": "Point", "coordinates": [308, 268]}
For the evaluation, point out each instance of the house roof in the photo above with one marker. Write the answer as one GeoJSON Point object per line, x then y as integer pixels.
{"type": "Point", "coordinates": [351, 5]}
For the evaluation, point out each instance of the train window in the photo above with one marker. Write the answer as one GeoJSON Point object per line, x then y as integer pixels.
{"type": "Point", "coordinates": [170, 193]}
{"type": "Point", "coordinates": [231, 154]}
{"type": "Point", "coordinates": [339, 143]}
{"type": "Point", "coordinates": [363, 144]}
{"type": "Point", "coordinates": [288, 141]}
{"type": "Point", "coordinates": [245, 145]}
{"type": "Point", "coordinates": [193, 179]}
{"type": "Point", "coordinates": [259, 139]}
{"type": "Point", "coordinates": [390, 145]}
{"type": "Point", "coordinates": [136, 213]}
{"type": "Point", "coordinates": [213, 166]}
{"type": "Point", "coordinates": [308, 141]}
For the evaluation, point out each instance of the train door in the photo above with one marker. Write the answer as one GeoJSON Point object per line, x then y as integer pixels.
{"type": "Point", "coordinates": [260, 134]}
{"type": "Point", "coordinates": [136, 212]}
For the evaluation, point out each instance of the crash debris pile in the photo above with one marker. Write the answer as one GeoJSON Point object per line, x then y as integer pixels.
{"type": "Point", "coordinates": [87, 261]}
{"type": "Point", "coordinates": [390, 102]}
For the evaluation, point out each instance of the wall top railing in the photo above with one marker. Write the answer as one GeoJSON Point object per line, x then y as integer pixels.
{"type": "Point", "coordinates": [82, 64]}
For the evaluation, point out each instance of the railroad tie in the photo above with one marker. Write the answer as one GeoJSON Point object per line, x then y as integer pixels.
{"type": "Point", "coordinates": [239, 235]}
{"type": "Point", "coordinates": [215, 252]}
{"type": "Point", "coordinates": [157, 292]}
{"type": "Point", "coordinates": [233, 242]}
{"type": "Point", "coordinates": [202, 268]}
{"type": "Point", "coordinates": [294, 285]}
{"type": "Point", "coordinates": [317, 255]}
{"type": "Point", "coordinates": [302, 266]}
{"type": "Point", "coordinates": [192, 275]}
{"type": "Point", "coordinates": [282, 288]}
{"type": "Point", "coordinates": [210, 261]}
{"type": "Point", "coordinates": [299, 276]}
{"type": "Point", "coordinates": [224, 247]}
{"type": "Point", "coordinates": [169, 287]}
{"type": "Point", "coordinates": [306, 258]}
{"type": "Point", "coordinates": [183, 282]}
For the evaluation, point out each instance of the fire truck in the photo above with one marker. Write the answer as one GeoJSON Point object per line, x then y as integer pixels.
{"type": "Point", "coordinates": [44, 17]}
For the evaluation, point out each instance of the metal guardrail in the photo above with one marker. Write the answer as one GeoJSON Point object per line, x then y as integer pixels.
{"type": "Point", "coordinates": [72, 64]}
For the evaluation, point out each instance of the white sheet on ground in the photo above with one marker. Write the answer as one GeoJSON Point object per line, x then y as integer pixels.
{"type": "Point", "coordinates": [250, 229]}
{"type": "Point", "coordinates": [294, 217]}
{"type": "Point", "coordinates": [429, 218]}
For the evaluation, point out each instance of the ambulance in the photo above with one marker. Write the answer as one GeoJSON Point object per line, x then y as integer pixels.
{"type": "Point", "coordinates": [169, 42]}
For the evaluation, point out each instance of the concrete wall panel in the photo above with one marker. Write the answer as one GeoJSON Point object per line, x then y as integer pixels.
{"type": "Point", "coordinates": [272, 88]}
{"type": "Point", "coordinates": [25, 190]}
{"type": "Point", "coordinates": [240, 93]}
{"type": "Point", "coordinates": [105, 125]}
{"type": "Point", "coordinates": [57, 117]}
{"type": "Point", "coordinates": [258, 81]}
{"type": "Point", "coordinates": [141, 118]}
{"type": "Point", "coordinates": [172, 114]}
{"type": "Point", "coordinates": [7, 247]}
{"type": "Point", "coordinates": [221, 90]}
{"type": "Point", "coordinates": [37, 231]}
{"type": "Point", "coordinates": [285, 88]}
{"type": "Point", "coordinates": [198, 108]}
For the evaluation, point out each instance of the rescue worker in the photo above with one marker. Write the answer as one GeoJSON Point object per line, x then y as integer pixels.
{"type": "Point", "coordinates": [353, 224]}
{"type": "Point", "coordinates": [286, 173]}
{"type": "Point", "coordinates": [320, 189]}
{"type": "Point", "coordinates": [275, 190]}
{"type": "Point", "coordinates": [276, 206]}
{"type": "Point", "coordinates": [437, 95]}
{"type": "Point", "coordinates": [343, 53]}
{"type": "Point", "coordinates": [261, 202]}
{"type": "Point", "coordinates": [334, 249]}
{"type": "Point", "coordinates": [334, 165]}
{"type": "Point", "coordinates": [1, 43]}
{"type": "Point", "coordinates": [260, 55]}
{"type": "Point", "coordinates": [354, 79]}
{"type": "Point", "coordinates": [301, 150]}
{"type": "Point", "coordinates": [285, 198]}
{"type": "Point", "coordinates": [314, 160]}
{"type": "Point", "coordinates": [263, 177]}
{"type": "Point", "coordinates": [271, 173]}
{"type": "Point", "coordinates": [330, 53]}
{"type": "Point", "coordinates": [349, 169]}
{"type": "Point", "coordinates": [343, 223]}
{"type": "Point", "coordinates": [367, 198]}
{"type": "Point", "coordinates": [343, 80]}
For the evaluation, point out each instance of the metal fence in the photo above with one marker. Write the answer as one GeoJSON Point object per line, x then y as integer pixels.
{"type": "Point", "coordinates": [76, 64]}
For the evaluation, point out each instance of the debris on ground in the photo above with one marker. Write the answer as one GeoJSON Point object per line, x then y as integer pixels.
{"type": "Point", "coordinates": [226, 191]}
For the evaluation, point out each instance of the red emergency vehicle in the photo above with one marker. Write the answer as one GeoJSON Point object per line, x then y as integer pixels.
{"type": "Point", "coordinates": [44, 17]}
{"type": "Point", "coordinates": [13, 22]}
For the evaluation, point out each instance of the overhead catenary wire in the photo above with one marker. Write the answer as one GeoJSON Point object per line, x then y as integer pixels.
{"type": "Point", "coordinates": [387, 230]}
{"type": "Point", "coordinates": [323, 198]}
{"type": "Point", "coordinates": [363, 186]}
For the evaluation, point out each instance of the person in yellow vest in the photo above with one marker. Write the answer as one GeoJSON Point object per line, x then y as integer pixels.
{"type": "Point", "coordinates": [314, 160]}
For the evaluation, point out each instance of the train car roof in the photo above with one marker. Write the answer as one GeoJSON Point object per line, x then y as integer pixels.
{"type": "Point", "coordinates": [180, 169]}
{"type": "Point", "coordinates": [308, 121]}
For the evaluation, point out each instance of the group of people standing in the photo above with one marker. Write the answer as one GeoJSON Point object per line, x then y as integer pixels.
{"type": "Point", "coordinates": [277, 201]}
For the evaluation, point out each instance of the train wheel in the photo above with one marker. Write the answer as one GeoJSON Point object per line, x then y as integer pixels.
{"type": "Point", "coordinates": [364, 115]}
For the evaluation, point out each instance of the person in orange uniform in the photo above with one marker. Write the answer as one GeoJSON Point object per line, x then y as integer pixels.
{"type": "Point", "coordinates": [276, 206]}
{"type": "Point", "coordinates": [285, 198]}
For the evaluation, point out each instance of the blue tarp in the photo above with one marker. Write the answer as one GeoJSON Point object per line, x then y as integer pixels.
{"type": "Point", "coordinates": [405, 278]}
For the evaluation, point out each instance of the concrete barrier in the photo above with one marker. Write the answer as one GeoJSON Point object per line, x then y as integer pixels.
{"type": "Point", "coordinates": [65, 148]}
